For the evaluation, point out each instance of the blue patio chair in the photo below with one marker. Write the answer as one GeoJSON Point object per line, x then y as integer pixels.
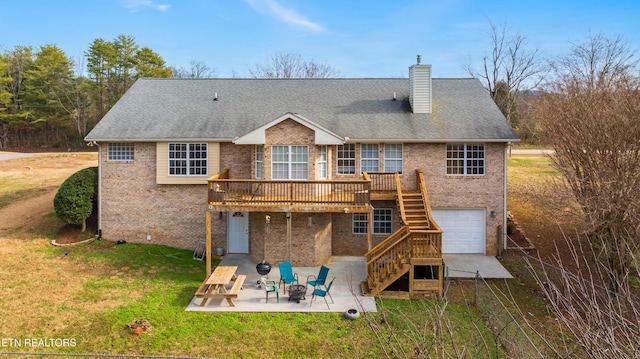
{"type": "Point", "coordinates": [320, 279]}
{"type": "Point", "coordinates": [323, 293]}
{"type": "Point", "coordinates": [270, 286]}
{"type": "Point", "coordinates": [286, 274]}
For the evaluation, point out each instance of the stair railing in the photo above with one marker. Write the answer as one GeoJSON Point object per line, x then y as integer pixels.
{"type": "Point", "coordinates": [403, 216]}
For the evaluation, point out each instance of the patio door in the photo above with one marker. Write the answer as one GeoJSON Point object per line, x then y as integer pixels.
{"type": "Point", "coordinates": [238, 232]}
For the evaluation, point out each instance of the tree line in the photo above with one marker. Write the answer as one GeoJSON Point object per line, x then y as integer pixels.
{"type": "Point", "coordinates": [49, 101]}
{"type": "Point", "coordinates": [45, 101]}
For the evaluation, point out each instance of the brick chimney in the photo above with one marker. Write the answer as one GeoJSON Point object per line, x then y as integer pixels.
{"type": "Point", "coordinates": [420, 87]}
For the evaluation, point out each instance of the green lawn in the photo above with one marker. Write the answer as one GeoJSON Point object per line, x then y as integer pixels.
{"type": "Point", "coordinates": [103, 287]}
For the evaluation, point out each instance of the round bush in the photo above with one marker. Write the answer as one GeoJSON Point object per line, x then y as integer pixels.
{"type": "Point", "coordinates": [75, 199]}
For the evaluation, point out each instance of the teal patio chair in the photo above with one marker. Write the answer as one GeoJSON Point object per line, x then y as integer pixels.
{"type": "Point", "coordinates": [320, 279]}
{"type": "Point", "coordinates": [323, 293]}
{"type": "Point", "coordinates": [286, 274]}
{"type": "Point", "coordinates": [270, 286]}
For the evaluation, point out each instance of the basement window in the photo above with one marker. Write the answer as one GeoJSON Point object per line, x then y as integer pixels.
{"type": "Point", "coordinates": [382, 222]}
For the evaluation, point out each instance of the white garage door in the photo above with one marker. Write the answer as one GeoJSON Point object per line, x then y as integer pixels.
{"type": "Point", "coordinates": [463, 230]}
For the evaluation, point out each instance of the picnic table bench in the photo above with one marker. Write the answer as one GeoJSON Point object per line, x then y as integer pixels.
{"type": "Point", "coordinates": [215, 285]}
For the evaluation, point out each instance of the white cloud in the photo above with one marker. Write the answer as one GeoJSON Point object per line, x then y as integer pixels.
{"type": "Point", "coordinates": [287, 15]}
{"type": "Point", "coordinates": [136, 4]}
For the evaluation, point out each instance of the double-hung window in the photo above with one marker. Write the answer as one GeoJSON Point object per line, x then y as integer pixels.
{"type": "Point", "coordinates": [393, 157]}
{"type": "Point", "coordinates": [369, 157]}
{"type": "Point", "coordinates": [322, 162]}
{"type": "Point", "coordinates": [382, 222]}
{"type": "Point", "coordinates": [289, 162]}
{"type": "Point", "coordinates": [465, 159]}
{"type": "Point", "coordinates": [259, 161]}
{"type": "Point", "coordinates": [120, 152]}
{"type": "Point", "coordinates": [346, 158]}
{"type": "Point", "coordinates": [187, 159]}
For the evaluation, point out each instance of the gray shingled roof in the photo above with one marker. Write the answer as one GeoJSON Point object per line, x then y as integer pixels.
{"type": "Point", "coordinates": [360, 109]}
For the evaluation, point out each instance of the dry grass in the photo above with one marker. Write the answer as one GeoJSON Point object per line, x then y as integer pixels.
{"type": "Point", "coordinates": [541, 202]}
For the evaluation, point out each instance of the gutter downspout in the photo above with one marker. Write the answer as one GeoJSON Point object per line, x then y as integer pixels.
{"type": "Point", "coordinates": [99, 188]}
{"type": "Point", "coordinates": [504, 196]}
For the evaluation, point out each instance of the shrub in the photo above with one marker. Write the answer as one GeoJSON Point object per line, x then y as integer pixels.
{"type": "Point", "coordinates": [74, 201]}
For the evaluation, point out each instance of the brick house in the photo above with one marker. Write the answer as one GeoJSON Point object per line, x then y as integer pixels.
{"type": "Point", "coordinates": [304, 169]}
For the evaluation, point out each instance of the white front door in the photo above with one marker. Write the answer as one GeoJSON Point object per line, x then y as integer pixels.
{"type": "Point", "coordinates": [238, 232]}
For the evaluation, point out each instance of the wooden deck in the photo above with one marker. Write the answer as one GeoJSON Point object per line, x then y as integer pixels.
{"type": "Point", "coordinates": [227, 195]}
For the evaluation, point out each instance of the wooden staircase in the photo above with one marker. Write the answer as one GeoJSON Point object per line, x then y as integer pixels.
{"type": "Point", "coordinates": [416, 215]}
{"type": "Point", "coordinates": [415, 248]}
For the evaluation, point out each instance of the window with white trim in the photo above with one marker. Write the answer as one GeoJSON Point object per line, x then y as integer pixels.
{"type": "Point", "coordinates": [393, 157]}
{"type": "Point", "coordinates": [382, 222]}
{"type": "Point", "coordinates": [188, 159]}
{"type": "Point", "coordinates": [369, 157]}
{"type": "Point", "coordinates": [120, 152]}
{"type": "Point", "coordinates": [322, 162]}
{"type": "Point", "coordinates": [289, 162]}
{"type": "Point", "coordinates": [346, 159]}
{"type": "Point", "coordinates": [258, 161]}
{"type": "Point", "coordinates": [465, 159]}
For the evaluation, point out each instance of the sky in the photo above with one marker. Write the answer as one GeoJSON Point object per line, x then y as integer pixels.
{"type": "Point", "coordinates": [358, 38]}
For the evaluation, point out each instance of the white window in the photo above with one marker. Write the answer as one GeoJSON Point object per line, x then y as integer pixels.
{"type": "Point", "coordinates": [290, 162]}
{"type": "Point", "coordinates": [322, 162]}
{"type": "Point", "coordinates": [187, 159]}
{"type": "Point", "coordinates": [465, 159]}
{"type": "Point", "coordinates": [259, 162]}
{"type": "Point", "coordinates": [346, 158]}
{"type": "Point", "coordinates": [382, 222]}
{"type": "Point", "coordinates": [369, 157]}
{"type": "Point", "coordinates": [120, 152]}
{"type": "Point", "coordinates": [393, 158]}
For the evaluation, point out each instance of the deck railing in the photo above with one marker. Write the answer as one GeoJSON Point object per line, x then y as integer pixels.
{"type": "Point", "coordinates": [288, 192]}
{"type": "Point", "coordinates": [399, 248]}
{"type": "Point", "coordinates": [382, 182]}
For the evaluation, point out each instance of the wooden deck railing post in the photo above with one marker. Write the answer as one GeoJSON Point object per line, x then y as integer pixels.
{"type": "Point", "coordinates": [208, 243]}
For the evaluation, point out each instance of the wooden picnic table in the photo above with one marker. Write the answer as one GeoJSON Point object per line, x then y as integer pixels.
{"type": "Point", "coordinates": [215, 285]}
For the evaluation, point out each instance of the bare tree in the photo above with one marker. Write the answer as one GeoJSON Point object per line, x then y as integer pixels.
{"type": "Point", "coordinates": [590, 112]}
{"type": "Point", "coordinates": [198, 70]}
{"type": "Point", "coordinates": [286, 65]}
{"type": "Point", "coordinates": [510, 68]}
{"type": "Point", "coordinates": [601, 323]}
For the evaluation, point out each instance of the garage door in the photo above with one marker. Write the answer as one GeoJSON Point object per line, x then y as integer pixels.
{"type": "Point", "coordinates": [463, 230]}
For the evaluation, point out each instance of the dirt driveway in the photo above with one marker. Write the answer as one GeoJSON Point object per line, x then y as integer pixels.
{"type": "Point", "coordinates": [37, 177]}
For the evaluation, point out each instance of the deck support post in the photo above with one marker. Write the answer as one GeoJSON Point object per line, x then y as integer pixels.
{"type": "Point", "coordinates": [208, 245]}
{"type": "Point", "coordinates": [369, 228]}
{"type": "Point", "coordinates": [289, 236]}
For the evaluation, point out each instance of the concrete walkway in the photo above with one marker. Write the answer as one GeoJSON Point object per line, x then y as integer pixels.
{"type": "Point", "coordinates": [466, 265]}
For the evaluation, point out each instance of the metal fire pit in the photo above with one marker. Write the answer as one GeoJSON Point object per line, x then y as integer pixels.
{"type": "Point", "coordinates": [297, 292]}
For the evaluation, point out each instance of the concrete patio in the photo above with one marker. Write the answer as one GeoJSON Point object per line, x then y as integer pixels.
{"type": "Point", "coordinates": [466, 266]}
{"type": "Point", "coordinates": [346, 293]}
